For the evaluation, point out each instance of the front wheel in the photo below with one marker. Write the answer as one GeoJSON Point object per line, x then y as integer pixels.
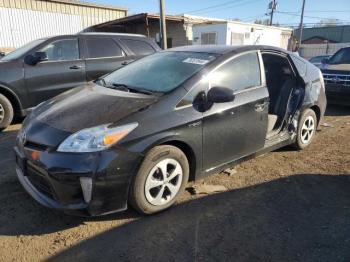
{"type": "Point", "coordinates": [306, 129]}
{"type": "Point", "coordinates": [6, 112]}
{"type": "Point", "coordinates": [161, 179]}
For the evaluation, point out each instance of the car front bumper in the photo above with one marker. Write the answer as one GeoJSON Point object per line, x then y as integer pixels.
{"type": "Point", "coordinates": [338, 94]}
{"type": "Point", "coordinates": [53, 179]}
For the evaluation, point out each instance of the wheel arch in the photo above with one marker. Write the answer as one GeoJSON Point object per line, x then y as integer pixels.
{"type": "Point", "coordinates": [317, 111]}
{"type": "Point", "coordinates": [187, 150]}
{"type": "Point", "coordinates": [13, 98]}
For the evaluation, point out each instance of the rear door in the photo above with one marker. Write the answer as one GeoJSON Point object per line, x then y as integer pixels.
{"type": "Point", "coordinates": [235, 129]}
{"type": "Point", "coordinates": [103, 55]}
{"type": "Point", "coordinates": [63, 70]}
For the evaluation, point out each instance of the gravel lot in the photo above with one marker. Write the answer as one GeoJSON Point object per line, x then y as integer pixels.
{"type": "Point", "coordinates": [283, 206]}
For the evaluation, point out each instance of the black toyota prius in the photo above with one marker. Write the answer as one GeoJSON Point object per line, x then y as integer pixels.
{"type": "Point", "coordinates": [138, 135]}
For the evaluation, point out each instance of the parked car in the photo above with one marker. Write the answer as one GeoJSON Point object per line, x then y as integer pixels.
{"type": "Point", "coordinates": [317, 60]}
{"type": "Point", "coordinates": [336, 73]}
{"type": "Point", "coordinates": [137, 135]}
{"type": "Point", "coordinates": [46, 67]}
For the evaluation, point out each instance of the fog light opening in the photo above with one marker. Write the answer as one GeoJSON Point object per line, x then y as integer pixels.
{"type": "Point", "coordinates": [86, 186]}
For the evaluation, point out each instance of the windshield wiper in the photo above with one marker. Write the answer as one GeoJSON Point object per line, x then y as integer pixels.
{"type": "Point", "coordinates": [127, 88]}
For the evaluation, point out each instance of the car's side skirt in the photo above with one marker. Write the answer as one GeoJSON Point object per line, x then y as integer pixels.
{"type": "Point", "coordinates": [268, 148]}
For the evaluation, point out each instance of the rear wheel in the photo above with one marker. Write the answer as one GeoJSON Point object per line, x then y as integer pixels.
{"type": "Point", "coordinates": [161, 179]}
{"type": "Point", "coordinates": [6, 112]}
{"type": "Point", "coordinates": [306, 129]}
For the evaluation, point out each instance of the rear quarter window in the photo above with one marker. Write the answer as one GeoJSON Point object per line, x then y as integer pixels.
{"type": "Point", "coordinates": [300, 64]}
{"type": "Point", "coordinates": [138, 47]}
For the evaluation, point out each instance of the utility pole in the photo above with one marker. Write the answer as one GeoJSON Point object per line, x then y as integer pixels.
{"type": "Point", "coordinates": [163, 38]}
{"type": "Point", "coordinates": [301, 24]}
{"type": "Point", "coordinates": [272, 6]}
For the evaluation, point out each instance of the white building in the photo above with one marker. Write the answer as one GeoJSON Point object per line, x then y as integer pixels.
{"type": "Point", "coordinates": [239, 33]}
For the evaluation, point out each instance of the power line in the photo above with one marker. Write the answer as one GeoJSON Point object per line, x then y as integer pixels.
{"type": "Point", "coordinates": [214, 6]}
{"type": "Point", "coordinates": [312, 17]}
{"type": "Point", "coordinates": [253, 17]}
{"type": "Point", "coordinates": [219, 8]}
{"type": "Point", "coordinates": [324, 11]}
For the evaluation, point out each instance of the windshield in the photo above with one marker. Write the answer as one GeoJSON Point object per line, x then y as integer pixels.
{"type": "Point", "coordinates": [22, 50]}
{"type": "Point", "coordinates": [317, 59]}
{"type": "Point", "coordinates": [341, 57]}
{"type": "Point", "coordinates": [160, 72]}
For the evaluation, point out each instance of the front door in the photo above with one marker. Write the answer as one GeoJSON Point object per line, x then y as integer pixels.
{"type": "Point", "coordinates": [64, 69]}
{"type": "Point", "coordinates": [235, 129]}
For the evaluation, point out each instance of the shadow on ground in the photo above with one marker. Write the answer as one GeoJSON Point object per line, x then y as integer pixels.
{"type": "Point", "coordinates": [305, 217]}
{"type": "Point", "coordinates": [301, 218]}
{"type": "Point", "coordinates": [337, 110]}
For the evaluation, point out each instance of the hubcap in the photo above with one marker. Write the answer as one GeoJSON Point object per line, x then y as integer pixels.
{"type": "Point", "coordinates": [2, 113]}
{"type": "Point", "coordinates": [307, 130]}
{"type": "Point", "coordinates": [163, 182]}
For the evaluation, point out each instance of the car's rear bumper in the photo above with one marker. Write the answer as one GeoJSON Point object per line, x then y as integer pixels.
{"type": "Point", "coordinates": [53, 179]}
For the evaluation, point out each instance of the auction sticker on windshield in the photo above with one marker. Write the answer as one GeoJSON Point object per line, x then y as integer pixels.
{"type": "Point", "coordinates": [196, 61]}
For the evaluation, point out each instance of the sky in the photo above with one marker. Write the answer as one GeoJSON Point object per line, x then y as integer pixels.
{"type": "Point", "coordinates": [288, 11]}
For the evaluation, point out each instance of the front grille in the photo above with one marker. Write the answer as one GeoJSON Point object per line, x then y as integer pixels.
{"type": "Point", "coordinates": [39, 181]}
{"type": "Point", "coordinates": [337, 79]}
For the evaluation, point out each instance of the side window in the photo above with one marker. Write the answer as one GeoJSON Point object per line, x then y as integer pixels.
{"type": "Point", "coordinates": [102, 47]}
{"type": "Point", "coordinates": [138, 47]}
{"type": "Point", "coordinates": [239, 73]}
{"type": "Point", "coordinates": [189, 98]}
{"type": "Point", "coordinates": [65, 49]}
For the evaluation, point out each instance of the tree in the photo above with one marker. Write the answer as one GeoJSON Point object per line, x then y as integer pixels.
{"type": "Point", "coordinates": [265, 22]}
{"type": "Point", "coordinates": [327, 22]}
{"type": "Point", "coordinates": [262, 21]}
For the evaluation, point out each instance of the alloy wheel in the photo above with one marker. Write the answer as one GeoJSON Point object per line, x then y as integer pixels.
{"type": "Point", "coordinates": [163, 182]}
{"type": "Point", "coordinates": [2, 113]}
{"type": "Point", "coordinates": [307, 130]}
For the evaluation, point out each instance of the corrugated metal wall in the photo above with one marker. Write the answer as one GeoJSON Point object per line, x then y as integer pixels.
{"type": "Point", "coordinates": [22, 21]}
{"type": "Point", "coordinates": [310, 50]}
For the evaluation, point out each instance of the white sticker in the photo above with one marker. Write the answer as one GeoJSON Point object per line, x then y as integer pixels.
{"type": "Point", "coordinates": [195, 61]}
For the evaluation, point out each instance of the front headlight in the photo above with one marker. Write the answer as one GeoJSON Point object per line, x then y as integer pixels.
{"type": "Point", "coordinates": [95, 138]}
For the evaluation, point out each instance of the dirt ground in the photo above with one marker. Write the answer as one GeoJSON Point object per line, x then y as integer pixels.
{"type": "Point", "coordinates": [283, 206]}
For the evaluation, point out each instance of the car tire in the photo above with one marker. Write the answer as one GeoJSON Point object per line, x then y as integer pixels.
{"type": "Point", "coordinates": [306, 129]}
{"type": "Point", "coordinates": [6, 112]}
{"type": "Point", "coordinates": [153, 191]}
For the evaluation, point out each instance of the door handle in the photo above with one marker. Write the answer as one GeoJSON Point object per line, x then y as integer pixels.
{"type": "Point", "coordinates": [75, 67]}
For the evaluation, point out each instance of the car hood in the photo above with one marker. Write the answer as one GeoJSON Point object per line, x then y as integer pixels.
{"type": "Point", "coordinates": [336, 67]}
{"type": "Point", "coordinates": [86, 106]}
{"type": "Point", "coordinates": [10, 70]}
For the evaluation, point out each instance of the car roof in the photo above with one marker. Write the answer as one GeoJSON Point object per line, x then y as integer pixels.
{"type": "Point", "coordinates": [224, 49]}
{"type": "Point", "coordinates": [94, 34]}
{"type": "Point", "coordinates": [110, 34]}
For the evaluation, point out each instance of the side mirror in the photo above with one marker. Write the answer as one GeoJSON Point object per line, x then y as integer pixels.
{"type": "Point", "coordinates": [220, 95]}
{"type": "Point", "coordinates": [36, 58]}
{"type": "Point", "coordinates": [40, 56]}
{"type": "Point", "coordinates": [325, 61]}
{"type": "Point", "coordinates": [2, 54]}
